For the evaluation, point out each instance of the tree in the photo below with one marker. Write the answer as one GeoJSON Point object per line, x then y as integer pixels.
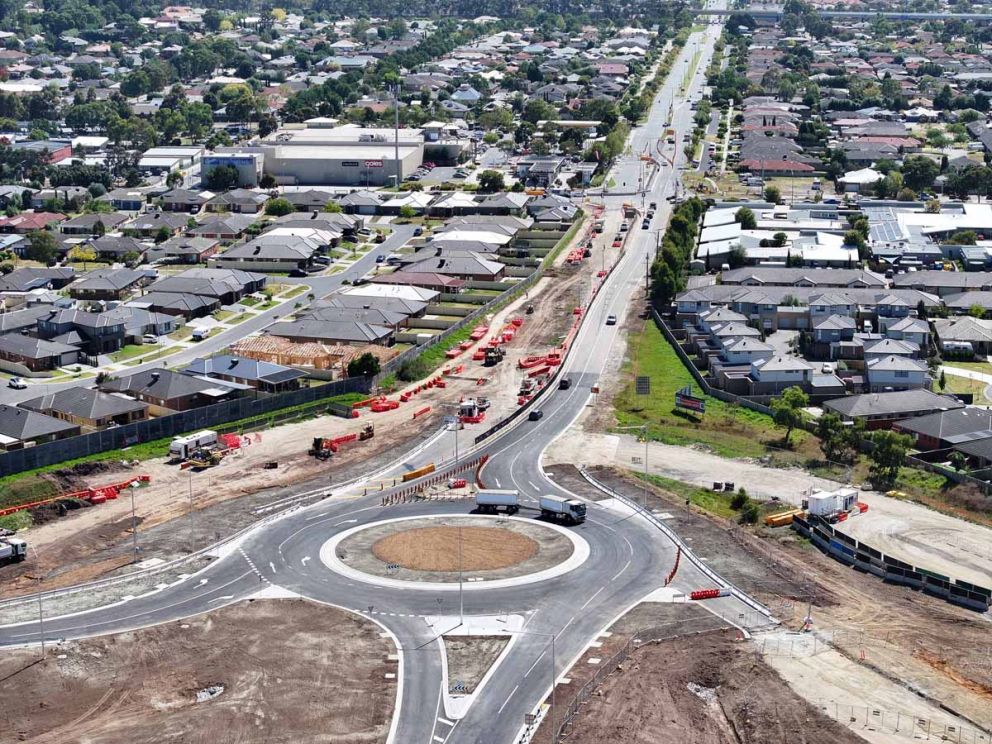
{"type": "Point", "coordinates": [773, 194]}
{"type": "Point", "coordinates": [42, 246]}
{"type": "Point", "coordinates": [222, 178]}
{"type": "Point", "coordinates": [174, 179]}
{"type": "Point", "coordinates": [83, 254]}
{"type": "Point", "coordinates": [366, 365]}
{"type": "Point", "coordinates": [407, 212]}
{"type": "Point", "coordinates": [212, 20]}
{"type": "Point", "coordinates": [976, 311]}
{"type": "Point", "coordinates": [963, 237]}
{"type": "Point", "coordinates": [490, 181]}
{"type": "Point", "coordinates": [332, 207]}
{"type": "Point", "coordinates": [746, 218]}
{"type": "Point", "coordinates": [942, 382]}
{"type": "Point", "coordinates": [919, 172]}
{"type": "Point", "coordinates": [278, 207]}
{"type": "Point", "coordinates": [887, 456]}
{"type": "Point", "coordinates": [163, 234]}
{"type": "Point", "coordinates": [831, 431]}
{"type": "Point", "coordinates": [906, 195]}
{"type": "Point", "coordinates": [932, 206]}
{"type": "Point", "coordinates": [787, 410]}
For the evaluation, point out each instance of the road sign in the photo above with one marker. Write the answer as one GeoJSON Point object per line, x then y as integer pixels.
{"type": "Point", "coordinates": [685, 399]}
{"type": "Point", "coordinates": [642, 385]}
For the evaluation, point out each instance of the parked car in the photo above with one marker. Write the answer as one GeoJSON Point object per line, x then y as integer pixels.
{"type": "Point", "coordinates": [149, 338]}
{"type": "Point", "coordinates": [380, 259]}
{"type": "Point", "coordinates": [16, 383]}
{"type": "Point", "coordinates": [380, 238]}
{"type": "Point", "coordinates": [418, 231]}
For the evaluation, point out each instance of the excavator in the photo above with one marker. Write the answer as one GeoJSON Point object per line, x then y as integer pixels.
{"type": "Point", "coordinates": [324, 447]}
{"type": "Point", "coordinates": [204, 458]}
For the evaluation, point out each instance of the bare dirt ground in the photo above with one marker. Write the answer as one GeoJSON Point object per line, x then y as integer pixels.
{"type": "Point", "coordinates": [918, 641]}
{"type": "Point", "coordinates": [453, 548]}
{"type": "Point", "coordinates": [291, 671]}
{"type": "Point", "coordinates": [469, 658]}
{"type": "Point", "coordinates": [91, 542]}
{"type": "Point", "coordinates": [704, 690]}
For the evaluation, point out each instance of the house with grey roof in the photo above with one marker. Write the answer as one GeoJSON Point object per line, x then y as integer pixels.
{"type": "Point", "coordinates": [107, 284]}
{"type": "Point", "coordinates": [19, 353]}
{"type": "Point", "coordinates": [947, 428]}
{"type": "Point", "coordinates": [20, 428]}
{"type": "Point", "coordinates": [164, 390]}
{"type": "Point", "coordinates": [341, 332]}
{"type": "Point", "coordinates": [280, 253]}
{"type": "Point", "coordinates": [88, 408]}
{"type": "Point", "coordinates": [963, 336]}
{"type": "Point", "coordinates": [894, 372]}
{"type": "Point", "coordinates": [880, 410]}
{"type": "Point", "coordinates": [263, 376]}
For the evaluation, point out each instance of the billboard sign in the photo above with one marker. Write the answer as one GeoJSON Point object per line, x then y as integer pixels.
{"type": "Point", "coordinates": [685, 399]}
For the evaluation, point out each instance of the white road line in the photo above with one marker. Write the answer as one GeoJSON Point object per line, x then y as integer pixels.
{"type": "Point", "coordinates": [439, 738]}
{"type": "Point", "coordinates": [445, 721]}
{"type": "Point", "coordinates": [272, 566]}
{"type": "Point", "coordinates": [507, 699]}
{"type": "Point", "coordinates": [304, 559]}
{"type": "Point", "coordinates": [347, 521]}
{"type": "Point", "coordinates": [496, 481]}
{"type": "Point", "coordinates": [591, 598]}
{"type": "Point", "coordinates": [565, 626]}
{"type": "Point", "coordinates": [219, 599]}
{"type": "Point", "coordinates": [535, 663]}
{"type": "Point", "coordinates": [531, 483]}
{"type": "Point", "coordinates": [625, 567]}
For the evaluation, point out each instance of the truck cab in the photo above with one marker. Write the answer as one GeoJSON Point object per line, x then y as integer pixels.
{"type": "Point", "coordinates": [12, 550]}
{"type": "Point", "coordinates": [570, 511]}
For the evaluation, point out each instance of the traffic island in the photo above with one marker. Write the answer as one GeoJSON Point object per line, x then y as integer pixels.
{"type": "Point", "coordinates": [444, 551]}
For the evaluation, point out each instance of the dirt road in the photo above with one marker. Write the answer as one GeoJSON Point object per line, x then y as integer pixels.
{"type": "Point", "coordinates": [267, 671]}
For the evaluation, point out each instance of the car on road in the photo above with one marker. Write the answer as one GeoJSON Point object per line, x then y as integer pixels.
{"type": "Point", "coordinates": [535, 415]}
{"type": "Point", "coordinates": [611, 320]}
{"type": "Point", "coordinates": [418, 231]}
{"type": "Point", "coordinates": [380, 259]}
{"type": "Point", "coordinates": [646, 224]}
{"type": "Point", "coordinates": [16, 383]}
{"type": "Point", "coordinates": [564, 383]}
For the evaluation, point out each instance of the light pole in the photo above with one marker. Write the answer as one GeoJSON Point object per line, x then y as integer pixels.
{"type": "Point", "coordinates": [134, 521]}
{"type": "Point", "coordinates": [41, 627]}
{"type": "Point", "coordinates": [191, 509]}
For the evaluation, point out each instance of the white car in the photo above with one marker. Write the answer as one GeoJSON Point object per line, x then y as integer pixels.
{"type": "Point", "coordinates": [17, 383]}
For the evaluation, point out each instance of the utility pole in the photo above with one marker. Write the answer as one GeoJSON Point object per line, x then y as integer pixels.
{"type": "Point", "coordinates": [554, 680]}
{"type": "Point", "coordinates": [191, 509]}
{"type": "Point", "coordinates": [461, 594]}
{"type": "Point", "coordinates": [134, 521]}
{"type": "Point", "coordinates": [41, 627]}
{"type": "Point", "coordinates": [647, 274]}
{"type": "Point", "coordinates": [396, 134]}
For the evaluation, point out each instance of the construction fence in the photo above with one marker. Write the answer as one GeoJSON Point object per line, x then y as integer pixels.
{"type": "Point", "coordinates": [181, 422]}
{"type": "Point", "coordinates": [900, 723]}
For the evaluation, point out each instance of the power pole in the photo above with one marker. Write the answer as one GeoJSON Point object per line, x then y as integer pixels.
{"type": "Point", "coordinates": [396, 134]}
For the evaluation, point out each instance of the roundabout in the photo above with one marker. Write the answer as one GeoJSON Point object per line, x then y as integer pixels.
{"type": "Point", "coordinates": [439, 552]}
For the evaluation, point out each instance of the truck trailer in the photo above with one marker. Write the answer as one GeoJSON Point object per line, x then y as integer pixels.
{"type": "Point", "coordinates": [493, 501]}
{"type": "Point", "coordinates": [569, 511]}
{"type": "Point", "coordinates": [12, 550]}
{"type": "Point", "coordinates": [184, 446]}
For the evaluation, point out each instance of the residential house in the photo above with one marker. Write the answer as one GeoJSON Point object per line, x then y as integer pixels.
{"type": "Point", "coordinates": [107, 284]}
{"type": "Point", "coordinates": [119, 249]}
{"type": "Point", "coordinates": [947, 428]}
{"type": "Point", "coordinates": [895, 372]}
{"type": "Point", "coordinates": [88, 408]}
{"type": "Point", "coordinates": [19, 353]}
{"type": "Point", "coordinates": [265, 377]}
{"type": "Point", "coordinates": [153, 224]}
{"type": "Point", "coordinates": [164, 390]}
{"type": "Point", "coordinates": [223, 227]}
{"type": "Point", "coordinates": [92, 333]}
{"type": "Point", "coordinates": [21, 428]}
{"type": "Point", "coordinates": [89, 224]}
{"type": "Point", "coordinates": [185, 250]}
{"type": "Point", "coordinates": [239, 201]}
{"type": "Point", "coordinates": [882, 410]}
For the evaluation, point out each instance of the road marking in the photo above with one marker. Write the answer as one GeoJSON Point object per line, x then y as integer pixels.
{"type": "Point", "coordinates": [508, 698]}
{"type": "Point", "coordinates": [304, 559]}
{"type": "Point", "coordinates": [498, 484]}
{"type": "Point", "coordinates": [347, 521]}
{"type": "Point", "coordinates": [535, 663]}
{"type": "Point", "coordinates": [531, 483]}
{"type": "Point", "coordinates": [439, 738]}
{"type": "Point", "coordinates": [591, 598]}
{"type": "Point", "coordinates": [446, 721]}
{"type": "Point", "coordinates": [220, 599]}
{"type": "Point", "coordinates": [565, 626]}
{"type": "Point", "coordinates": [625, 567]}
{"type": "Point", "coordinates": [272, 566]}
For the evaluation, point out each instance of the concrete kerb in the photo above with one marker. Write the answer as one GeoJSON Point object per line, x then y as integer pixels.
{"type": "Point", "coordinates": [686, 550]}
{"type": "Point", "coordinates": [328, 556]}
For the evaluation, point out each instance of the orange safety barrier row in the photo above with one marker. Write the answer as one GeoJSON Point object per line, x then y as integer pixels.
{"type": "Point", "coordinates": [421, 412]}
{"type": "Point", "coordinates": [705, 594]}
{"type": "Point", "coordinates": [94, 495]}
{"type": "Point", "coordinates": [538, 372]}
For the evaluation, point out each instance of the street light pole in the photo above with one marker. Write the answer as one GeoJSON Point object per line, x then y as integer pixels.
{"type": "Point", "coordinates": [134, 523]}
{"type": "Point", "coordinates": [41, 627]}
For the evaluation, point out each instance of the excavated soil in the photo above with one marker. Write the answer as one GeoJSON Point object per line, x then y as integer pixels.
{"type": "Point", "coordinates": [451, 548]}
{"type": "Point", "coordinates": [286, 671]}
{"type": "Point", "coordinates": [701, 690]}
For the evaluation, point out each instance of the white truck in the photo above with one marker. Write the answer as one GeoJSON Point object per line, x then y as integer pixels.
{"type": "Point", "coordinates": [12, 550]}
{"type": "Point", "coordinates": [183, 446]}
{"type": "Point", "coordinates": [493, 501]}
{"type": "Point", "coordinates": [566, 510]}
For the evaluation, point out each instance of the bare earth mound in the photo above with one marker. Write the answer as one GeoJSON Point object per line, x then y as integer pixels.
{"type": "Point", "coordinates": [283, 672]}
{"type": "Point", "coordinates": [437, 548]}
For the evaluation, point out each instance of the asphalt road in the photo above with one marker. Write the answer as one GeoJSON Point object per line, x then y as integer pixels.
{"type": "Point", "coordinates": [628, 558]}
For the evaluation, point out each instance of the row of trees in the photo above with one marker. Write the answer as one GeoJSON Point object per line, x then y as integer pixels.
{"type": "Point", "coordinates": [671, 264]}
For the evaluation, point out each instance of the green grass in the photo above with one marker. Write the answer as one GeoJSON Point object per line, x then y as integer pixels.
{"type": "Point", "coordinates": [221, 315]}
{"type": "Point", "coordinates": [710, 501]}
{"type": "Point", "coordinates": [730, 431]}
{"type": "Point", "coordinates": [248, 301]}
{"type": "Point", "coordinates": [297, 290]}
{"type": "Point", "coordinates": [985, 367]}
{"type": "Point", "coordinates": [955, 384]}
{"type": "Point", "coordinates": [238, 318]}
{"type": "Point", "coordinates": [128, 352]}
{"type": "Point", "coordinates": [153, 355]}
{"type": "Point", "coordinates": [17, 521]}
{"type": "Point", "coordinates": [182, 334]}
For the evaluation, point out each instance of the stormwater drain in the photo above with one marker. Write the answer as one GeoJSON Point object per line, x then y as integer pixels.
{"type": "Point", "coordinates": [209, 693]}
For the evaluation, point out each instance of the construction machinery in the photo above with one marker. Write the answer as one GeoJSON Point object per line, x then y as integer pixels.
{"type": "Point", "coordinates": [367, 433]}
{"type": "Point", "coordinates": [482, 404]}
{"type": "Point", "coordinates": [12, 550]}
{"type": "Point", "coordinates": [204, 458]}
{"type": "Point", "coordinates": [494, 355]}
{"type": "Point", "coordinates": [323, 448]}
